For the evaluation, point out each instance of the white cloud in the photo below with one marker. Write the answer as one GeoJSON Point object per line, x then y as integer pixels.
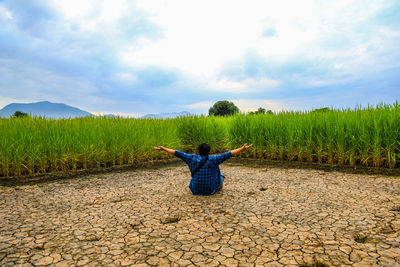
{"type": "Point", "coordinates": [201, 36]}
{"type": "Point", "coordinates": [127, 78]}
{"type": "Point", "coordinates": [248, 85]}
{"type": "Point", "coordinates": [74, 9]}
{"type": "Point", "coordinates": [5, 13]}
{"type": "Point", "coordinates": [377, 54]}
{"type": "Point", "coordinates": [204, 105]}
{"type": "Point", "coordinates": [93, 15]}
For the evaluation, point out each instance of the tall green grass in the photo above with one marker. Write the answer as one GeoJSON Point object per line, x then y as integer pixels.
{"type": "Point", "coordinates": [36, 145]}
{"type": "Point", "coordinates": [193, 131]}
{"type": "Point", "coordinates": [363, 136]}
{"type": "Point", "coordinates": [368, 137]}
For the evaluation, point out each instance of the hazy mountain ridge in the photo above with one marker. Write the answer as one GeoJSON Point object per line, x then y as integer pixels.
{"type": "Point", "coordinates": [166, 115]}
{"type": "Point", "coordinates": [44, 108]}
{"type": "Point", "coordinates": [60, 110]}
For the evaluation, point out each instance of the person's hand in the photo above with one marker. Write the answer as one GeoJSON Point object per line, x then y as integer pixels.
{"type": "Point", "coordinates": [245, 146]}
{"type": "Point", "coordinates": [157, 148]}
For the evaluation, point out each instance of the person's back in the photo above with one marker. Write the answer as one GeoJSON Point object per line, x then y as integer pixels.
{"type": "Point", "coordinates": [208, 179]}
{"type": "Point", "coordinates": [206, 176]}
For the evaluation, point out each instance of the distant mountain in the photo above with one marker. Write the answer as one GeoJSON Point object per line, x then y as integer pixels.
{"type": "Point", "coordinates": [111, 116]}
{"type": "Point", "coordinates": [166, 115]}
{"type": "Point", "coordinates": [44, 108]}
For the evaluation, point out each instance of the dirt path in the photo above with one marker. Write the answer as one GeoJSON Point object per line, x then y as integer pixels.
{"type": "Point", "coordinates": [272, 217]}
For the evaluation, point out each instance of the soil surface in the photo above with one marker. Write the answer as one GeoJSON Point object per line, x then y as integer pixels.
{"type": "Point", "coordinates": [262, 216]}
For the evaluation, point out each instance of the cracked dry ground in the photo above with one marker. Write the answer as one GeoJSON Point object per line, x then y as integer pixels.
{"type": "Point", "coordinates": [270, 217]}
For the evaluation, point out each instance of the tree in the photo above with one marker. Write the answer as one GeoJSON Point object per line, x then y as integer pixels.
{"type": "Point", "coordinates": [261, 111]}
{"type": "Point", "coordinates": [321, 109]}
{"type": "Point", "coordinates": [223, 108]}
{"type": "Point", "coordinates": [19, 114]}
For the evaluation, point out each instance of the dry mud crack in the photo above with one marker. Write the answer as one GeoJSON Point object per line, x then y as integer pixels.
{"type": "Point", "coordinates": [274, 217]}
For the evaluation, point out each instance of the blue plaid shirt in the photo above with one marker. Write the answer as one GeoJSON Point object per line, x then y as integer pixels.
{"type": "Point", "coordinates": [208, 179]}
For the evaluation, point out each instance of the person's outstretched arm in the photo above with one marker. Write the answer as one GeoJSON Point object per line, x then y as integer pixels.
{"type": "Point", "coordinates": [182, 155]}
{"type": "Point", "coordinates": [240, 149]}
{"type": "Point", "coordinates": [168, 150]}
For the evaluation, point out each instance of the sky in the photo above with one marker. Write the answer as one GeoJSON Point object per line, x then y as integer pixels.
{"type": "Point", "coordinates": [133, 57]}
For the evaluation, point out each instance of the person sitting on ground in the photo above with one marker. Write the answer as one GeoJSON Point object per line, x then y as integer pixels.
{"type": "Point", "coordinates": [206, 176]}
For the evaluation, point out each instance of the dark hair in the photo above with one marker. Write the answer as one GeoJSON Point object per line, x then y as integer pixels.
{"type": "Point", "coordinates": [204, 149]}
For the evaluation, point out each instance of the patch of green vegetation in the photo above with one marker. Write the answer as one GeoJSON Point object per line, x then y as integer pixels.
{"type": "Point", "coordinates": [223, 108]}
{"type": "Point", "coordinates": [19, 114]}
{"type": "Point", "coordinates": [366, 137]}
{"type": "Point", "coordinates": [30, 146]}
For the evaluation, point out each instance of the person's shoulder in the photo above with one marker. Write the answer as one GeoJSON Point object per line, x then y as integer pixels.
{"type": "Point", "coordinates": [183, 153]}
{"type": "Point", "coordinates": [223, 155]}
{"type": "Point", "coordinates": [192, 155]}
{"type": "Point", "coordinates": [218, 155]}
